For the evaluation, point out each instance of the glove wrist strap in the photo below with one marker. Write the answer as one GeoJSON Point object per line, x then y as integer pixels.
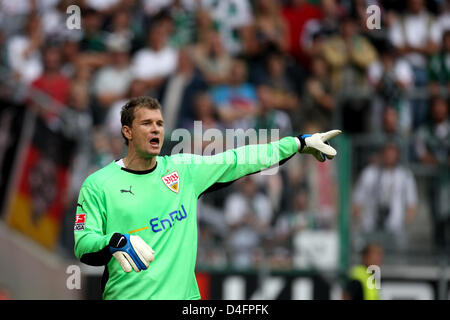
{"type": "Point", "coordinates": [115, 240]}
{"type": "Point", "coordinates": [302, 142]}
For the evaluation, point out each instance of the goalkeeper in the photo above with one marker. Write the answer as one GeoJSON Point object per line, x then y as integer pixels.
{"type": "Point", "coordinates": [137, 215]}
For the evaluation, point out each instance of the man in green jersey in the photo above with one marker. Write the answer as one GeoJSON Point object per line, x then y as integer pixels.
{"type": "Point", "coordinates": [137, 215]}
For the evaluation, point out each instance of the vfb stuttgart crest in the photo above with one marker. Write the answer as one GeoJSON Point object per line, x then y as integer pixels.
{"type": "Point", "coordinates": [172, 181]}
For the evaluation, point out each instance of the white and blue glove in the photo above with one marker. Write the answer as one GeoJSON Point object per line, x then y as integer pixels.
{"type": "Point", "coordinates": [317, 144]}
{"type": "Point", "coordinates": [131, 252]}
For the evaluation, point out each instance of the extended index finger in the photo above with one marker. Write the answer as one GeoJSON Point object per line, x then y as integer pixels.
{"type": "Point", "coordinates": [330, 134]}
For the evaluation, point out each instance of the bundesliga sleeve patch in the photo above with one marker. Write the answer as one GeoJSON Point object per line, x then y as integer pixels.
{"type": "Point", "coordinates": [172, 181]}
{"type": "Point", "coordinates": [80, 221]}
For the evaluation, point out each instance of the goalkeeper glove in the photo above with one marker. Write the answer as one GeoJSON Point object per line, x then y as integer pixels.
{"type": "Point", "coordinates": [317, 144]}
{"type": "Point", "coordinates": [131, 252]}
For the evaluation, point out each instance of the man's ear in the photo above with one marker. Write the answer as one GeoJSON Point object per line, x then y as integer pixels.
{"type": "Point", "coordinates": [126, 131]}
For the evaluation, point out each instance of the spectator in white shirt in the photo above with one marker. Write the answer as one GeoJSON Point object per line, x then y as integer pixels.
{"type": "Point", "coordinates": [158, 60]}
{"type": "Point", "coordinates": [385, 199]}
{"type": "Point", "coordinates": [390, 76]}
{"type": "Point", "coordinates": [23, 56]}
{"type": "Point", "coordinates": [104, 6]}
{"type": "Point", "coordinates": [232, 16]}
{"type": "Point", "coordinates": [416, 34]}
{"type": "Point", "coordinates": [112, 81]}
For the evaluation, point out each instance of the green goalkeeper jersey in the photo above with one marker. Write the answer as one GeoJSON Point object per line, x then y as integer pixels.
{"type": "Point", "coordinates": [159, 205]}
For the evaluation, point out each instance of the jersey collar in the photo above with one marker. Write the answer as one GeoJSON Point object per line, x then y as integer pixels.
{"type": "Point", "coordinates": [120, 163]}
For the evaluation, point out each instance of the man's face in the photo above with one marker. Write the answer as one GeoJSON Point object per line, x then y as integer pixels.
{"type": "Point", "coordinates": [390, 156]}
{"type": "Point", "coordinates": [374, 256]}
{"type": "Point", "coordinates": [415, 6]}
{"type": "Point", "coordinates": [157, 38]}
{"type": "Point", "coordinates": [146, 133]}
{"type": "Point", "coordinates": [439, 111]}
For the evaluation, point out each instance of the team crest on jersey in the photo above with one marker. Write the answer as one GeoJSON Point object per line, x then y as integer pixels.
{"type": "Point", "coordinates": [172, 181]}
{"type": "Point", "coordinates": [80, 221]}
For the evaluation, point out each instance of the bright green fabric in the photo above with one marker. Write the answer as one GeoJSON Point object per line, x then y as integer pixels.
{"type": "Point", "coordinates": [360, 273]}
{"type": "Point", "coordinates": [169, 217]}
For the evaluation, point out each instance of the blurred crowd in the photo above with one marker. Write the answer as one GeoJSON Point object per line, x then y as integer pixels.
{"type": "Point", "coordinates": [294, 65]}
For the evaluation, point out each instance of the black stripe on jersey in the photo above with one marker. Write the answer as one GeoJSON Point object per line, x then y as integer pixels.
{"type": "Point", "coordinates": [105, 278]}
{"type": "Point", "coordinates": [101, 257]}
{"type": "Point", "coordinates": [139, 172]}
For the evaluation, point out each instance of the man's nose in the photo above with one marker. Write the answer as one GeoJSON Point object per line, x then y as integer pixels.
{"type": "Point", "coordinates": [155, 128]}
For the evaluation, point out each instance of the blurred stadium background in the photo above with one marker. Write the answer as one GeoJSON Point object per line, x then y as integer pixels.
{"type": "Point", "coordinates": [293, 65]}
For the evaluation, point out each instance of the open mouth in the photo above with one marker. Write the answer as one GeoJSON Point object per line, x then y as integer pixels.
{"type": "Point", "coordinates": [154, 142]}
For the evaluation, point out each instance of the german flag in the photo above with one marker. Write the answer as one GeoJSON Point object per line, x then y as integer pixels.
{"type": "Point", "coordinates": [38, 198]}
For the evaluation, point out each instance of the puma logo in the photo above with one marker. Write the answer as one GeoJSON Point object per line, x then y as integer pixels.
{"type": "Point", "coordinates": [80, 205]}
{"type": "Point", "coordinates": [127, 191]}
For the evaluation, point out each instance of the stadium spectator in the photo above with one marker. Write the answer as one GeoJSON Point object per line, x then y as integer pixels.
{"type": "Point", "coordinates": [252, 53]}
{"type": "Point", "coordinates": [153, 7]}
{"type": "Point", "coordinates": [183, 18]}
{"type": "Point", "coordinates": [416, 34]}
{"type": "Point", "coordinates": [121, 30]}
{"type": "Point", "coordinates": [54, 19]}
{"type": "Point", "coordinates": [70, 58]}
{"type": "Point", "coordinates": [105, 7]}
{"type": "Point", "coordinates": [112, 123]}
{"type": "Point", "coordinates": [23, 52]}
{"type": "Point", "coordinates": [156, 61]}
{"type": "Point", "coordinates": [271, 28]}
{"type": "Point", "coordinates": [444, 15]}
{"type": "Point", "coordinates": [231, 17]}
{"type": "Point", "coordinates": [357, 286]}
{"type": "Point", "coordinates": [296, 14]}
{"type": "Point", "coordinates": [385, 200]}
{"type": "Point", "coordinates": [422, 39]}
{"type": "Point", "coordinates": [14, 15]}
{"type": "Point", "coordinates": [178, 92]}
{"type": "Point", "coordinates": [318, 29]}
{"type": "Point", "coordinates": [94, 36]}
{"type": "Point", "coordinates": [237, 100]}
{"type": "Point", "coordinates": [204, 24]}
{"type": "Point", "coordinates": [204, 128]}
{"type": "Point", "coordinates": [433, 138]}
{"type": "Point", "coordinates": [390, 76]}
{"type": "Point", "coordinates": [432, 146]}
{"type": "Point", "coordinates": [282, 74]}
{"type": "Point", "coordinates": [318, 101]}
{"type": "Point", "coordinates": [439, 67]}
{"type": "Point", "coordinates": [269, 115]}
{"type": "Point", "coordinates": [296, 218]}
{"type": "Point", "coordinates": [390, 123]}
{"type": "Point", "coordinates": [204, 111]}
{"type": "Point", "coordinates": [111, 82]}
{"type": "Point", "coordinates": [211, 58]}
{"type": "Point", "coordinates": [348, 54]}
{"type": "Point", "coordinates": [368, 22]}
{"type": "Point", "coordinates": [248, 214]}
{"type": "Point", "coordinates": [78, 119]}
{"type": "Point", "coordinates": [52, 82]}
